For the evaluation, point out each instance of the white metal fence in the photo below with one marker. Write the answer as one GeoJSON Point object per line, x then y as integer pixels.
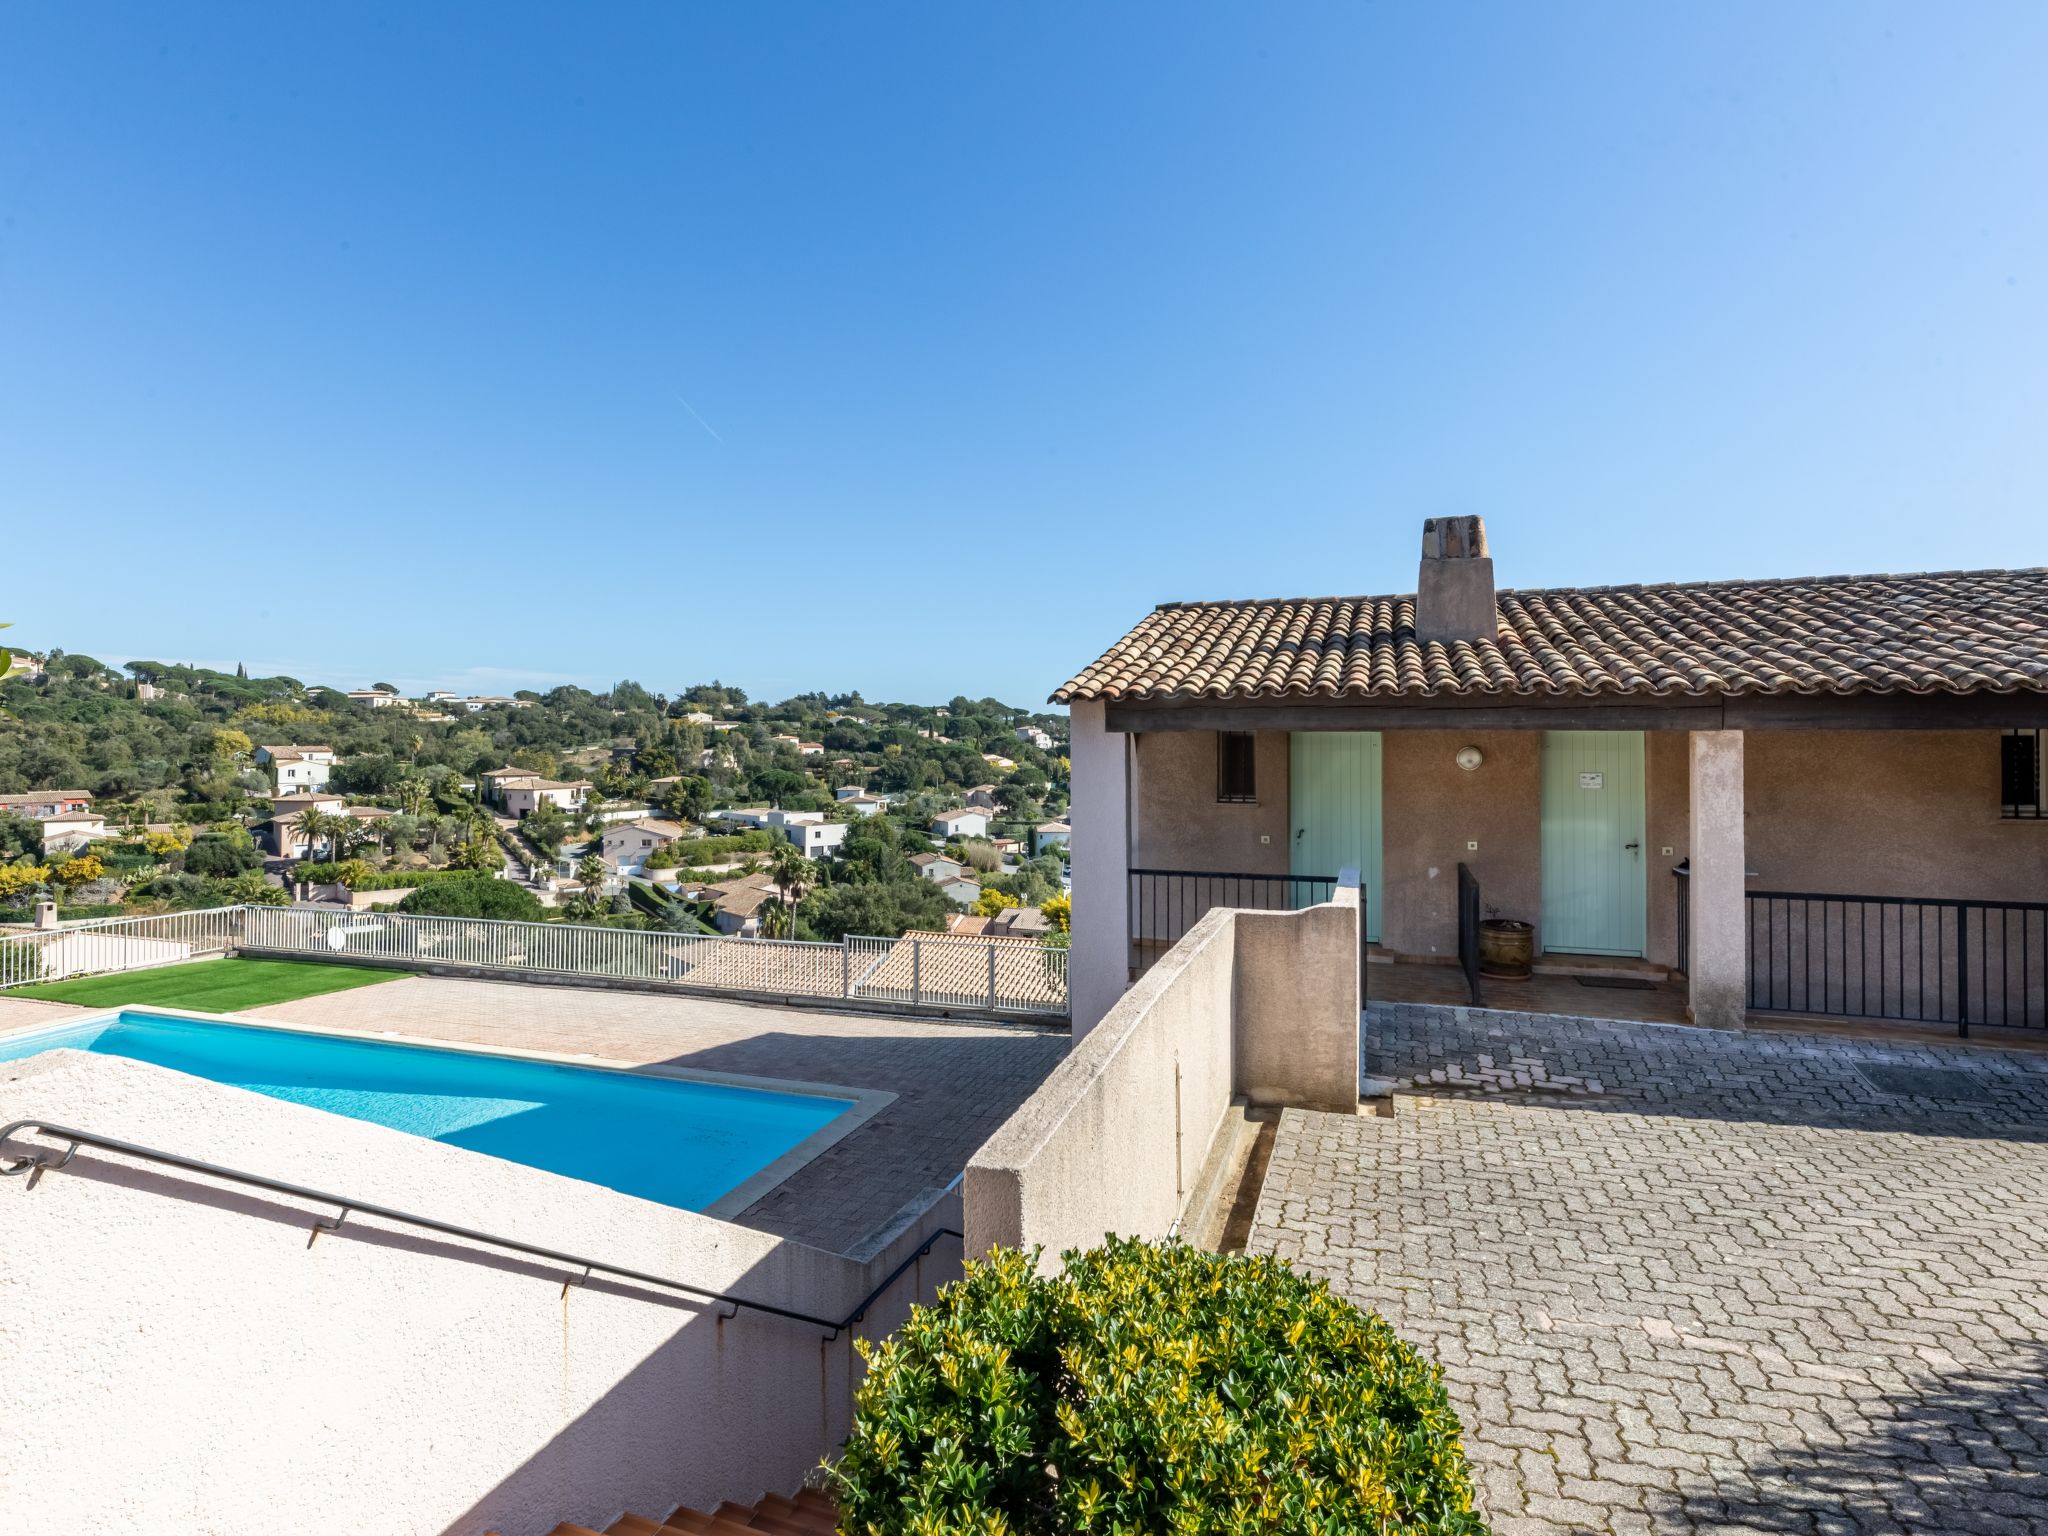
{"type": "Point", "coordinates": [105, 944]}
{"type": "Point", "coordinates": [999, 975]}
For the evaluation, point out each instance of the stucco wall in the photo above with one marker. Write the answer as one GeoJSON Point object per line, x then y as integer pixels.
{"type": "Point", "coordinates": [198, 1368]}
{"type": "Point", "coordinates": [1430, 808]}
{"type": "Point", "coordinates": [1887, 813]}
{"type": "Point", "coordinates": [1114, 1136]}
{"type": "Point", "coordinates": [1667, 823]}
{"type": "Point", "coordinates": [1297, 1005]}
{"type": "Point", "coordinates": [1262, 1005]}
{"type": "Point", "coordinates": [1099, 963]}
{"type": "Point", "coordinates": [1178, 822]}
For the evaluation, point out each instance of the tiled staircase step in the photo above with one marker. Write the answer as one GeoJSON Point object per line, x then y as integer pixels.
{"type": "Point", "coordinates": [694, 1522]}
{"type": "Point", "coordinates": [783, 1525]}
{"type": "Point", "coordinates": [633, 1525]}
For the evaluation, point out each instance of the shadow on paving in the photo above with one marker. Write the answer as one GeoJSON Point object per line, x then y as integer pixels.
{"type": "Point", "coordinates": [1967, 1453]}
{"type": "Point", "coordinates": [951, 1095]}
{"type": "Point", "coordinates": [1774, 1078]}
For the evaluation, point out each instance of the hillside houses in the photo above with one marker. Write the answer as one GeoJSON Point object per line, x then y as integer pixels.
{"type": "Point", "coordinates": [297, 770]}
{"type": "Point", "coordinates": [71, 831]}
{"type": "Point", "coordinates": [521, 791]}
{"type": "Point", "coordinates": [44, 804]}
{"type": "Point", "coordinates": [628, 846]}
{"type": "Point", "coordinates": [971, 821]}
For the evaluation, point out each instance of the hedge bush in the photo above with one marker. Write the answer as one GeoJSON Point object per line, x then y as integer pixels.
{"type": "Point", "coordinates": [366, 879]}
{"type": "Point", "coordinates": [1150, 1388]}
{"type": "Point", "coordinates": [477, 896]}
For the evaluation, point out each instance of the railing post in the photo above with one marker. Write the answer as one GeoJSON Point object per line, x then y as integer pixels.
{"type": "Point", "coordinates": [1962, 971]}
{"type": "Point", "coordinates": [991, 977]}
{"type": "Point", "coordinates": [845, 966]}
{"type": "Point", "coordinates": [917, 970]}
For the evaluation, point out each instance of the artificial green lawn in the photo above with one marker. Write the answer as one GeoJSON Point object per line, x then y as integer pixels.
{"type": "Point", "coordinates": [210, 986]}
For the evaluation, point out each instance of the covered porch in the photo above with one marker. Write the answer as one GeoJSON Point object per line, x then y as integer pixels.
{"type": "Point", "coordinates": [1861, 870]}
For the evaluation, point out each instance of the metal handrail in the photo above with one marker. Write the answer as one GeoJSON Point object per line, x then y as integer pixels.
{"type": "Point", "coordinates": [38, 1161]}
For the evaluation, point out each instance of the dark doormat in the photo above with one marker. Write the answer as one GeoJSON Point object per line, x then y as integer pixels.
{"type": "Point", "coordinates": [1617, 983]}
{"type": "Point", "coordinates": [1926, 1082]}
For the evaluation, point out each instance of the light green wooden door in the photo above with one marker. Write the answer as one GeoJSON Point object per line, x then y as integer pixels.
{"type": "Point", "coordinates": [1593, 842]}
{"type": "Point", "coordinates": [1333, 791]}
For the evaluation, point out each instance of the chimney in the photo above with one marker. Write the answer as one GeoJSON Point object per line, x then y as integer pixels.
{"type": "Point", "coordinates": [1454, 592]}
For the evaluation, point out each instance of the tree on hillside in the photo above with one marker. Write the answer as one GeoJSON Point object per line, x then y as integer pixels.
{"type": "Point", "coordinates": [478, 897]}
{"type": "Point", "coordinates": [316, 827]}
{"type": "Point", "coordinates": [220, 858]}
{"type": "Point", "coordinates": [881, 910]}
{"type": "Point", "coordinates": [793, 874]}
{"type": "Point", "coordinates": [20, 838]}
{"type": "Point", "coordinates": [414, 795]}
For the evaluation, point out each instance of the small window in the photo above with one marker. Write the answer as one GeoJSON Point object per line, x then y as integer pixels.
{"type": "Point", "coordinates": [1236, 780]}
{"type": "Point", "coordinates": [2020, 776]}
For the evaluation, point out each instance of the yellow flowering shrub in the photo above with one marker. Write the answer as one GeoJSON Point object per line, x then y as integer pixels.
{"type": "Point", "coordinates": [1150, 1388]}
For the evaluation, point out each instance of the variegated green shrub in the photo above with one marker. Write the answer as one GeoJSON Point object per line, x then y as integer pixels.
{"type": "Point", "coordinates": [1150, 1388]}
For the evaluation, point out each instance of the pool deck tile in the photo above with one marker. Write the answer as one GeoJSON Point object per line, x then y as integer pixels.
{"type": "Point", "coordinates": [954, 1082]}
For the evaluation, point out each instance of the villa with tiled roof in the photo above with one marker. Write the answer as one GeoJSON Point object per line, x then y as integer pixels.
{"type": "Point", "coordinates": [1659, 779]}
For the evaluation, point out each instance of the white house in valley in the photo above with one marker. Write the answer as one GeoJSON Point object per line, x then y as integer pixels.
{"type": "Point", "coordinates": [970, 821]}
{"type": "Point", "coordinates": [936, 867]}
{"type": "Point", "coordinates": [628, 847]}
{"type": "Point", "coordinates": [72, 831]}
{"type": "Point", "coordinates": [523, 797]}
{"type": "Point", "coordinates": [961, 889]}
{"type": "Point", "coordinates": [297, 770]}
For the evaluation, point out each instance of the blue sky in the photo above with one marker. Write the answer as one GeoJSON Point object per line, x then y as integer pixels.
{"type": "Point", "coordinates": [920, 349]}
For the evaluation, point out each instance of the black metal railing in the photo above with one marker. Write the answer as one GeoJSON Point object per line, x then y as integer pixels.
{"type": "Point", "coordinates": [1918, 960]}
{"type": "Point", "coordinates": [1681, 877]}
{"type": "Point", "coordinates": [35, 1160]}
{"type": "Point", "coordinates": [1468, 930]}
{"type": "Point", "coordinates": [1166, 903]}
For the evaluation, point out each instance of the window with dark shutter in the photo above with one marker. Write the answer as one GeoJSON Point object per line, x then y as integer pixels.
{"type": "Point", "coordinates": [1236, 780]}
{"type": "Point", "coordinates": [2019, 774]}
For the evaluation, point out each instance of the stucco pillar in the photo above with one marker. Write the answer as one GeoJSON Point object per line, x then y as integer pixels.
{"type": "Point", "coordinates": [1099, 962]}
{"type": "Point", "coordinates": [1718, 962]}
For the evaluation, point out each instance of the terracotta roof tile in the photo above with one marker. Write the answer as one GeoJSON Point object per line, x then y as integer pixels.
{"type": "Point", "coordinates": [1935, 632]}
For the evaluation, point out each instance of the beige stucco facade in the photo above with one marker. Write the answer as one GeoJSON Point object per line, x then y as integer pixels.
{"type": "Point", "coordinates": [1900, 813]}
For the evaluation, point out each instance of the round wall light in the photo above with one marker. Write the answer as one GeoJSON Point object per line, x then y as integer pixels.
{"type": "Point", "coordinates": [1470, 758]}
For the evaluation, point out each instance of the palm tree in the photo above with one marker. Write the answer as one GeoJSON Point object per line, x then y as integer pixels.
{"type": "Point", "coordinates": [413, 795]}
{"type": "Point", "coordinates": [314, 824]}
{"type": "Point", "coordinates": [793, 875]}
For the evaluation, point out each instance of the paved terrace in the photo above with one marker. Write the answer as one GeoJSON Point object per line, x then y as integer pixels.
{"type": "Point", "coordinates": [955, 1083]}
{"type": "Point", "coordinates": [1687, 1281]}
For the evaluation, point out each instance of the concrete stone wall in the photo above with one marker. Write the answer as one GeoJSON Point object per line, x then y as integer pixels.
{"type": "Point", "coordinates": [1257, 1005]}
{"type": "Point", "coordinates": [198, 1367]}
{"type": "Point", "coordinates": [1431, 808]}
{"type": "Point", "coordinates": [1297, 982]}
{"type": "Point", "coordinates": [1177, 822]}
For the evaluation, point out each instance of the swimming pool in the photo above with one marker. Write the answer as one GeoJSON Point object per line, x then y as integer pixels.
{"type": "Point", "coordinates": [681, 1141]}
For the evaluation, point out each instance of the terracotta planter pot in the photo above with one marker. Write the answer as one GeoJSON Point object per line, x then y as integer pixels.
{"type": "Point", "coordinates": [1507, 948]}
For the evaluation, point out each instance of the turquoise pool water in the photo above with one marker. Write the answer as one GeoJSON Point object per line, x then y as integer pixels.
{"type": "Point", "coordinates": [680, 1142]}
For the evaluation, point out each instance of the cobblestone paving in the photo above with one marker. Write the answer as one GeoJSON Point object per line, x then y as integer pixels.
{"type": "Point", "coordinates": [955, 1083]}
{"type": "Point", "coordinates": [1735, 1287]}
